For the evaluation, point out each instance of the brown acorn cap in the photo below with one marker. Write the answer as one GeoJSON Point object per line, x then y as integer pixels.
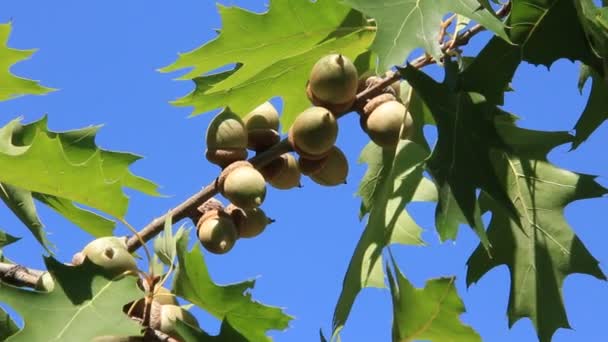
{"type": "Point", "coordinates": [334, 108]}
{"type": "Point", "coordinates": [334, 79]}
{"type": "Point", "coordinates": [270, 170]}
{"type": "Point", "coordinates": [313, 133]}
{"type": "Point", "coordinates": [223, 158]}
{"type": "Point", "coordinates": [261, 139]}
{"type": "Point", "coordinates": [335, 170]}
{"type": "Point", "coordinates": [310, 166]}
{"type": "Point", "coordinates": [376, 102]}
{"type": "Point", "coordinates": [289, 176]}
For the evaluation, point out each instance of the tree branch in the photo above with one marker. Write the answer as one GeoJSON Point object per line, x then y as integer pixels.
{"type": "Point", "coordinates": [18, 275]}
{"type": "Point", "coordinates": [189, 208]}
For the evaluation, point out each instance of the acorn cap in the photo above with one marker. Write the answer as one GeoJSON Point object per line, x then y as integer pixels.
{"type": "Point", "coordinates": [289, 175]}
{"type": "Point", "coordinates": [226, 131]}
{"type": "Point", "coordinates": [265, 116]}
{"type": "Point", "coordinates": [223, 158]}
{"type": "Point", "coordinates": [383, 125]}
{"type": "Point", "coordinates": [376, 102]}
{"type": "Point", "coordinates": [262, 139]}
{"type": "Point", "coordinates": [270, 170]}
{"type": "Point", "coordinates": [310, 166]}
{"type": "Point", "coordinates": [334, 79]}
{"type": "Point", "coordinates": [335, 170]}
{"type": "Point", "coordinates": [314, 132]}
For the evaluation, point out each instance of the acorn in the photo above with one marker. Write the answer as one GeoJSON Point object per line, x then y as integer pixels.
{"type": "Point", "coordinates": [274, 167]}
{"type": "Point", "coordinates": [333, 83]}
{"type": "Point", "coordinates": [288, 176]}
{"type": "Point", "coordinates": [217, 232]}
{"type": "Point", "coordinates": [249, 222]}
{"type": "Point", "coordinates": [310, 166]}
{"type": "Point", "coordinates": [161, 294]}
{"type": "Point", "coordinates": [243, 185]}
{"type": "Point", "coordinates": [226, 139]}
{"type": "Point", "coordinates": [262, 126]}
{"type": "Point", "coordinates": [333, 171]}
{"type": "Point", "coordinates": [163, 318]}
{"type": "Point", "coordinates": [383, 124]}
{"type": "Point", "coordinates": [110, 253]}
{"type": "Point", "coordinates": [313, 133]}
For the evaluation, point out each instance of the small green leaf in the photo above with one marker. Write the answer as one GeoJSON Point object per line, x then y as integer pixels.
{"type": "Point", "coordinates": [68, 165]}
{"type": "Point", "coordinates": [406, 25]}
{"type": "Point", "coordinates": [165, 243]}
{"type": "Point", "coordinates": [81, 296]}
{"type": "Point", "coordinates": [595, 24]}
{"type": "Point", "coordinates": [14, 86]}
{"type": "Point", "coordinates": [6, 239]}
{"type": "Point", "coordinates": [430, 313]}
{"type": "Point", "coordinates": [231, 303]}
{"type": "Point", "coordinates": [542, 249]}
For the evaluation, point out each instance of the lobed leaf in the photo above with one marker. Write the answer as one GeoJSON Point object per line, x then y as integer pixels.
{"type": "Point", "coordinates": [392, 180]}
{"type": "Point", "coordinates": [430, 313]}
{"type": "Point", "coordinates": [14, 86]}
{"type": "Point", "coordinates": [273, 53]}
{"type": "Point", "coordinates": [84, 305]}
{"type": "Point", "coordinates": [231, 303]}
{"type": "Point", "coordinates": [405, 25]}
{"type": "Point", "coordinates": [67, 165]}
{"type": "Point", "coordinates": [541, 250]}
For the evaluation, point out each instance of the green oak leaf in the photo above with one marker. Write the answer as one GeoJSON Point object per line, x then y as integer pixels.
{"type": "Point", "coordinates": [542, 250]}
{"type": "Point", "coordinates": [7, 326]}
{"type": "Point", "coordinates": [68, 165]}
{"type": "Point", "coordinates": [460, 163]}
{"type": "Point", "coordinates": [21, 203]}
{"type": "Point", "coordinates": [596, 110]}
{"type": "Point", "coordinates": [547, 30]}
{"type": "Point", "coordinates": [273, 51]}
{"type": "Point", "coordinates": [14, 86]}
{"type": "Point", "coordinates": [595, 24]}
{"type": "Point", "coordinates": [81, 296]}
{"type": "Point", "coordinates": [404, 25]}
{"type": "Point", "coordinates": [6, 239]}
{"type": "Point", "coordinates": [392, 180]}
{"type": "Point", "coordinates": [192, 334]}
{"type": "Point", "coordinates": [230, 303]}
{"type": "Point", "coordinates": [498, 56]}
{"type": "Point", "coordinates": [430, 313]}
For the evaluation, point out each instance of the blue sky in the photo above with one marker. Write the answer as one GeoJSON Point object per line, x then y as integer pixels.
{"type": "Point", "coordinates": [102, 55]}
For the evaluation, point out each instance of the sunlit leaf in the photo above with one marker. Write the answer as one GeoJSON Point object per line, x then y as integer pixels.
{"type": "Point", "coordinates": [12, 86]}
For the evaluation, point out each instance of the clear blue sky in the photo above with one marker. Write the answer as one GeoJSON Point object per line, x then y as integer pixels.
{"type": "Point", "coordinates": [102, 55]}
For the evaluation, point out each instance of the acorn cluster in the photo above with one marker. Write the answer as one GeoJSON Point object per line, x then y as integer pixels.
{"type": "Point", "coordinates": [332, 88]}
